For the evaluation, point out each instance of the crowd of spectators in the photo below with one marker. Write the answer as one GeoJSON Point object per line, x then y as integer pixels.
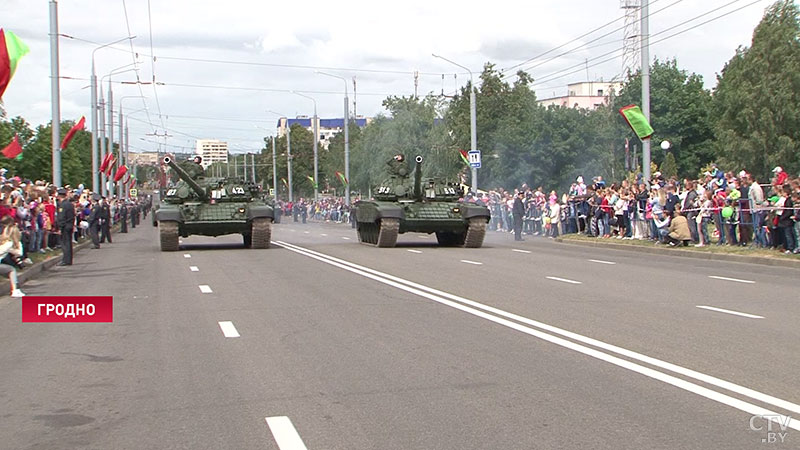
{"type": "Point", "coordinates": [29, 224]}
{"type": "Point", "coordinates": [326, 209]}
{"type": "Point", "coordinates": [722, 208]}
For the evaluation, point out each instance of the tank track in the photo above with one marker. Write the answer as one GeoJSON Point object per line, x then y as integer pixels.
{"type": "Point", "coordinates": [262, 233]}
{"type": "Point", "coordinates": [387, 236]}
{"type": "Point", "coordinates": [168, 232]}
{"type": "Point", "coordinates": [476, 231]}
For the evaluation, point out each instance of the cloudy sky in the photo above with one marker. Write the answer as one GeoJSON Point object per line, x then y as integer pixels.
{"type": "Point", "coordinates": [222, 67]}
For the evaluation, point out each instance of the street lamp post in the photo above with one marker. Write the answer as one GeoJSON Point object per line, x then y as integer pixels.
{"type": "Point", "coordinates": [346, 137]}
{"type": "Point", "coordinates": [103, 144]}
{"type": "Point", "coordinates": [288, 151]}
{"type": "Point", "coordinates": [93, 116]}
{"type": "Point", "coordinates": [123, 155]}
{"type": "Point", "coordinates": [472, 119]}
{"type": "Point", "coordinates": [274, 172]}
{"type": "Point", "coordinates": [316, 138]}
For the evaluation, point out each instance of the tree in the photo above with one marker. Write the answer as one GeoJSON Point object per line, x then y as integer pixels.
{"type": "Point", "coordinates": [757, 95]}
{"type": "Point", "coordinates": [669, 167]}
{"type": "Point", "coordinates": [680, 112]}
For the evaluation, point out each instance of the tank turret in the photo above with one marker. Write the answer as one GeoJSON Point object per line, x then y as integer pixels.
{"type": "Point", "coordinates": [201, 193]}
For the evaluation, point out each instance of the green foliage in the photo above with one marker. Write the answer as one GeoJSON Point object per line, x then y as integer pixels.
{"type": "Point", "coordinates": [669, 168]}
{"type": "Point", "coordinates": [757, 97]}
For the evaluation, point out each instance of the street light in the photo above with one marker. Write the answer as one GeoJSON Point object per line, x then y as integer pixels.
{"type": "Point", "coordinates": [123, 159]}
{"type": "Point", "coordinates": [93, 118]}
{"type": "Point", "coordinates": [103, 144]}
{"type": "Point", "coordinates": [316, 138]}
{"type": "Point", "coordinates": [274, 168]}
{"type": "Point", "coordinates": [288, 152]}
{"type": "Point", "coordinates": [346, 136]}
{"type": "Point", "coordinates": [472, 119]}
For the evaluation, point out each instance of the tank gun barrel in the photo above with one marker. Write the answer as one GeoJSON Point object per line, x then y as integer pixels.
{"type": "Point", "coordinates": [185, 177]}
{"type": "Point", "coordinates": [418, 178]}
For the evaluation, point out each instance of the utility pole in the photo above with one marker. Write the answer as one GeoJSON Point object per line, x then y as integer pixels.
{"type": "Point", "coordinates": [55, 95]}
{"type": "Point", "coordinates": [289, 157]}
{"type": "Point", "coordinates": [109, 192]}
{"type": "Point", "coordinates": [274, 172]}
{"type": "Point", "coordinates": [101, 132]}
{"type": "Point", "coordinates": [244, 171]}
{"type": "Point", "coordinates": [253, 166]}
{"type": "Point", "coordinates": [646, 84]}
{"type": "Point", "coordinates": [346, 126]}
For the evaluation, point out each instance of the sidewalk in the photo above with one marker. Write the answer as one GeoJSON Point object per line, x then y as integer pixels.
{"type": "Point", "coordinates": [712, 253]}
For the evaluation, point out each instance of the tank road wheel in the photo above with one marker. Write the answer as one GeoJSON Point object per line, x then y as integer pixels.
{"type": "Point", "coordinates": [169, 236]}
{"type": "Point", "coordinates": [450, 239]}
{"type": "Point", "coordinates": [476, 230]}
{"type": "Point", "coordinates": [247, 238]}
{"type": "Point", "coordinates": [387, 236]}
{"type": "Point", "coordinates": [262, 232]}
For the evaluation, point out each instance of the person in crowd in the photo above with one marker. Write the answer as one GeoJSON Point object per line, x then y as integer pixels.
{"type": "Point", "coordinates": [123, 217]}
{"type": "Point", "coordinates": [705, 216]}
{"type": "Point", "coordinates": [95, 220]}
{"type": "Point", "coordinates": [518, 212]}
{"type": "Point", "coordinates": [105, 221]}
{"type": "Point", "coordinates": [10, 252]}
{"type": "Point", "coordinates": [678, 229]}
{"type": "Point", "coordinates": [555, 217]}
{"type": "Point", "coordinates": [65, 220]}
{"type": "Point", "coordinates": [786, 219]}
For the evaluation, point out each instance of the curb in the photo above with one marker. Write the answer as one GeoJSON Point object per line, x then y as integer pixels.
{"type": "Point", "coordinates": [774, 262]}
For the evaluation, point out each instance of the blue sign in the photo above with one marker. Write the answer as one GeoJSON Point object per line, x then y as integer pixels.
{"type": "Point", "coordinates": [474, 158]}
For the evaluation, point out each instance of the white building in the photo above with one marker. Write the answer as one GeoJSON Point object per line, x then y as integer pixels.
{"type": "Point", "coordinates": [584, 95]}
{"type": "Point", "coordinates": [142, 159]}
{"type": "Point", "coordinates": [212, 150]}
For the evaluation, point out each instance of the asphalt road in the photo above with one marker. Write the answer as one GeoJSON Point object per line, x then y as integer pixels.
{"type": "Point", "coordinates": [324, 341]}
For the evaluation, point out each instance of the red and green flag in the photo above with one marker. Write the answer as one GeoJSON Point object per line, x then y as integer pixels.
{"type": "Point", "coordinates": [12, 49]}
{"type": "Point", "coordinates": [637, 121]}
{"type": "Point", "coordinates": [463, 154]}
{"type": "Point", "coordinates": [71, 133]}
{"type": "Point", "coordinates": [285, 183]}
{"type": "Point", "coordinates": [342, 178]}
{"type": "Point", "coordinates": [120, 173]}
{"type": "Point", "coordinates": [13, 149]}
{"type": "Point", "coordinates": [313, 183]}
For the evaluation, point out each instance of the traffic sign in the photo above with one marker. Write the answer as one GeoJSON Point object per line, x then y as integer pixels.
{"type": "Point", "coordinates": [134, 192]}
{"type": "Point", "coordinates": [271, 191]}
{"type": "Point", "coordinates": [474, 158]}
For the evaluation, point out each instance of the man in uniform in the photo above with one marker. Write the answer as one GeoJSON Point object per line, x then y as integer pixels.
{"type": "Point", "coordinates": [94, 220]}
{"type": "Point", "coordinates": [123, 217]}
{"type": "Point", "coordinates": [65, 219]}
{"type": "Point", "coordinates": [105, 221]}
{"type": "Point", "coordinates": [518, 211]}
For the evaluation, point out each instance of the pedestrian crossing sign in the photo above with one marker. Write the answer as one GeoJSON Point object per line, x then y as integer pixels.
{"type": "Point", "coordinates": [134, 192]}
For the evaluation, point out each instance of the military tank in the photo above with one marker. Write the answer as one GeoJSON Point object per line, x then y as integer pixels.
{"type": "Point", "coordinates": [425, 206]}
{"type": "Point", "coordinates": [212, 207]}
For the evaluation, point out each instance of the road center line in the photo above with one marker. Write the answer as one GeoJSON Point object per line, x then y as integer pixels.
{"type": "Point", "coordinates": [520, 251]}
{"type": "Point", "coordinates": [284, 433]}
{"type": "Point", "coordinates": [323, 234]}
{"type": "Point", "coordinates": [475, 308]}
{"type": "Point", "coordinates": [600, 261]}
{"type": "Point", "coordinates": [186, 255]}
{"type": "Point", "coordinates": [728, 311]}
{"type": "Point", "coordinates": [194, 269]}
{"type": "Point", "coordinates": [475, 263]}
{"type": "Point", "coordinates": [345, 238]}
{"type": "Point", "coordinates": [731, 279]}
{"type": "Point", "coordinates": [228, 330]}
{"type": "Point", "coordinates": [306, 232]}
{"type": "Point", "coordinates": [564, 280]}
{"type": "Point", "coordinates": [205, 289]}
{"type": "Point", "coordinates": [413, 251]}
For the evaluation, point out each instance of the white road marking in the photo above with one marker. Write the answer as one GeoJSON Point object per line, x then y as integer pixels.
{"type": "Point", "coordinates": [205, 289]}
{"type": "Point", "coordinates": [228, 330]}
{"type": "Point", "coordinates": [186, 255]}
{"type": "Point", "coordinates": [194, 269]}
{"type": "Point", "coordinates": [284, 433]}
{"type": "Point", "coordinates": [476, 263]}
{"type": "Point", "coordinates": [307, 232]}
{"type": "Point", "coordinates": [480, 310]}
{"type": "Point", "coordinates": [564, 280]}
{"type": "Point", "coordinates": [345, 238]}
{"type": "Point", "coordinates": [413, 251]}
{"type": "Point", "coordinates": [731, 279]}
{"type": "Point", "coordinates": [323, 234]}
{"type": "Point", "coordinates": [520, 251]}
{"type": "Point", "coordinates": [600, 261]}
{"type": "Point", "coordinates": [728, 311]}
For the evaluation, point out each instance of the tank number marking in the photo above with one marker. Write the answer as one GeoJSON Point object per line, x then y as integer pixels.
{"type": "Point", "coordinates": [238, 190]}
{"type": "Point", "coordinates": [384, 190]}
{"type": "Point", "coordinates": [171, 192]}
{"type": "Point", "coordinates": [449, 191]}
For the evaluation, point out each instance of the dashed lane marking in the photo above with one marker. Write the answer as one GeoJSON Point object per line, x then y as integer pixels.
{"type": "Point", "coordinates": [731, 279]}
{"type": "Point", "coordinates": [564, 280]}
{"type": "Point", "coordinates": [228, 330]}
{"type": "Point", "coordinates": [345, 238]}
{"type": "Point", "coordinates": [284, 433]}
{"type": "Point", "coordinates": [186, 255]}
{"type": "Point", "coordinates": [413, 251]}
{"type": "Point", "coordinates": [600, 261]}
{"type": "Point", "coordinates": [205, 289]}
{"type": "Point", "coordinates": [728, 311]}
{"type": "Point", "coordinates": [520, 251]}
{"type": "Point", "coordinates": [323, 234]}
{"type": "Point", "coordinates": [194, 268]}
{"type": "Point", "coordinates": [475, 263]}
